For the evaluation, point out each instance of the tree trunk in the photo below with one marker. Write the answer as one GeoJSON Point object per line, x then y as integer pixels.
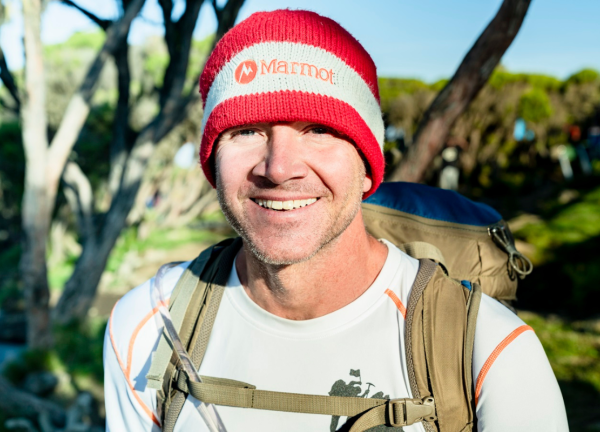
{"type": "Point", "coordinates": [35, 212]}
{"type": "Point", "coordinates": [453, 100]}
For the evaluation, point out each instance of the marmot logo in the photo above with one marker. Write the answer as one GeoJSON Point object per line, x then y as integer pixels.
{"type": "Point", "coordinates": [245, 72]}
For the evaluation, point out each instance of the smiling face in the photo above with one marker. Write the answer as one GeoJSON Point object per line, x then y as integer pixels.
{"type": "Point", "coordinates": [288, 189]}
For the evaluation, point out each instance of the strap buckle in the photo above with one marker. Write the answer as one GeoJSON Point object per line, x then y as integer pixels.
{"type": "Point", "coordinates": [405, 412]}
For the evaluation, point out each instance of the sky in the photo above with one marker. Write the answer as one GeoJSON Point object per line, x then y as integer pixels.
{"type": "Point", "coordinates": [424, 39]}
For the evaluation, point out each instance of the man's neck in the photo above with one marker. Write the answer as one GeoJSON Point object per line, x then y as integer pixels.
{"type": "Point", "coordinates": [337, 275]}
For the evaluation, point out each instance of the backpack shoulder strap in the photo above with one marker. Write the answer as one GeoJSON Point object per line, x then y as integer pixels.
{"type": "Point", "coordinates": [198, 290]}
{"type": "Point", "coordinates": [183, 290]}
{"type": "Point", "coordinates": [440, 331]}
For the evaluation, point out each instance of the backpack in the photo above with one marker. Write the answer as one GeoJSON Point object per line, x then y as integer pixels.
{"type": "Point", "coordinates": [461, 246]}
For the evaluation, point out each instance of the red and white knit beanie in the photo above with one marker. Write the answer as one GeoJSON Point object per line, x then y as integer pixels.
{"type": "Point", "coordinates": [292, 65]}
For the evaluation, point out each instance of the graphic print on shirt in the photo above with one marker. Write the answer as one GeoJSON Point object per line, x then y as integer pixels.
{"type": "Point", "coordinates": [355, 389]}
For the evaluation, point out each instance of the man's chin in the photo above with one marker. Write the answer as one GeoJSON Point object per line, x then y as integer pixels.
{"type": "Point", "coordinates": [280, 255]}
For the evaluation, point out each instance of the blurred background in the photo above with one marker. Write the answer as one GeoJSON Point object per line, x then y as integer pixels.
{"type": "Point", "coordinates": [99, 182]}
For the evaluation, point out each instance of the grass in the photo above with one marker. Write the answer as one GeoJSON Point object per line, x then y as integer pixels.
{"type": "Point", "coordinates": [566, 225]}
{"type": "Point", "coordinates": [573, 348]}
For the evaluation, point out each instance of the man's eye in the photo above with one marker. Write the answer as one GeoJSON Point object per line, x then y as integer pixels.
{"type": "Point", "coordinates": [245, 132]}
{"type": "Point", "coordinates": [320, 130]}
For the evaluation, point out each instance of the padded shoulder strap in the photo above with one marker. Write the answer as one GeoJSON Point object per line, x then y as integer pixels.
{"type": "Point", "coordinates": [440, 330]}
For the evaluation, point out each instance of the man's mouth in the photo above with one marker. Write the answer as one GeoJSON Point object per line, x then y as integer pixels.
{"type": "Point", "coordinates": [284, 205]}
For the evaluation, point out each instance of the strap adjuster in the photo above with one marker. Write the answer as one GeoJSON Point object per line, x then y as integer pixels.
{"type": "Point", "coordinates": [405, 412]}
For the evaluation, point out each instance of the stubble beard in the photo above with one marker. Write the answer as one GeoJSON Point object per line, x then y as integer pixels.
{"type": "Point", "coordinates": [338, 223]}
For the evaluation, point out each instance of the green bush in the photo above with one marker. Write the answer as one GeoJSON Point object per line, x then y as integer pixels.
{"type": "Point", "coordinates": [584, 76]}
{"type": "Point", "coordinates": [534, 106]}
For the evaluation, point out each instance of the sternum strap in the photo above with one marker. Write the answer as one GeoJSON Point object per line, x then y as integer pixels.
{"type": "Point", "coordinates": [397, 412]}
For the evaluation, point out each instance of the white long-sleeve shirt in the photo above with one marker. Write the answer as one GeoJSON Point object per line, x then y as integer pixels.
{"type": "Point", "coordinates": [355, 351]}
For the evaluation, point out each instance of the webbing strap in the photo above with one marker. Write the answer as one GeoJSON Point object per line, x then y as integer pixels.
{"type": "Point", "coordinates": [396, 412]}
{"type": "Point", "coordinates": [421, 250]}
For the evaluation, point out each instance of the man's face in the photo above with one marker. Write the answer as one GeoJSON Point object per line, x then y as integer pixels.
{"type": "Point", "coordinates": [288, 188]}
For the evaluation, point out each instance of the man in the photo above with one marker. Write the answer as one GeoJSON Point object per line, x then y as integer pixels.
{"type": "Point", "coordinates": [292, 139]}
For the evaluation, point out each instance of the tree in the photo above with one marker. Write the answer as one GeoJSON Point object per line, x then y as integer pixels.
{"type": "Point", "coordinates": [472, 74]}
{"type": "Point", "coordinates": [130, 150]}
{"type": "Point", "coordinates": [128, 161]}
{"type": "Point", "coordinates": [44, 162]}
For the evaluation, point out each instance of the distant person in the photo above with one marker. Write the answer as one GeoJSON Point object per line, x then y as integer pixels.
{"type": "Point", "coordinates": [313, 307]}
{"type": "Point", "coordinates": [594, 142]}
{"type": "Point", "coordinates": [450, 172]}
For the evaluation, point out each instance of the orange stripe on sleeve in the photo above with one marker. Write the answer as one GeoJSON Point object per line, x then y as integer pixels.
{"type": "Point", "coordinates": [492, 358]}
{"type": "Point", "coordinates": [397, 301]}
{"type": "Point", "coordinates": [146, 409]}
{"type": "Point", "coordinates": [134, 336]}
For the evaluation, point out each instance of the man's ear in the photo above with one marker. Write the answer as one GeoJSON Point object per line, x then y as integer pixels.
{"type": "Point", "coordinates": [367, 183]}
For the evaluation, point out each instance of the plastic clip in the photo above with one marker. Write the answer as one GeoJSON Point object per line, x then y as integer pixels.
{"type": "Point", "coordinates": [415, 410]}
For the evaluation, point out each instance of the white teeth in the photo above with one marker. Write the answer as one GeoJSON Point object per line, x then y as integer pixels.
{"type": "Point", "coordinates": [285, 205]}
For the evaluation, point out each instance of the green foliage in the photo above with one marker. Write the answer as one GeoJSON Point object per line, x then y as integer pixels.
{"type": "Point", "coordinates": [534, 106]}
{"type": "Point", "coordinates": [566, 252]}
{"type": "Point", "coordinates": [59, 273]}
{"type": "Point", "coordinates": [79, 348]}
{"type": "Point", "coordinates": [439, 85]}
{"type": "Point", "coordinates": [573, 355]}
{"type": "Point", "coordinates": [572, 224]}
{"type": "Point", "coordinates": [502, 78]}
{"type": "Point", "coordinates": [28, 362]}
{"type": "Point", "coordinates": [390, 88]}
{"type": "Point", "coordinates": [93, 40]}
{"type": "Point", "coordinates": [583, 77]}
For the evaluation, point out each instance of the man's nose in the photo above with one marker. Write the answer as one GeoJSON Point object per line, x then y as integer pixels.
{"type": "Point", "coordinates": [283, 160]}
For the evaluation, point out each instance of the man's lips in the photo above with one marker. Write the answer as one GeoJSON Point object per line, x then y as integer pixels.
{"type": "Point", "coordinates": [284, 205]}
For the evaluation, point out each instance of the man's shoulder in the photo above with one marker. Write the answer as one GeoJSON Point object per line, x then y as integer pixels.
{"type": "Point", "coordinates": [499, 330]}
{"type": "Point", "coordinates": [139, 307]}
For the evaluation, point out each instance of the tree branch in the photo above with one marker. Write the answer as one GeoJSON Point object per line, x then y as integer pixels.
{"type": "Point", "coordinates": [167, 11]}
{"type": "Point", "coordinates": [80, 198]}
{"type": "Point", "coordinates": [453, 100]}
{"type": "Point", "coordinates": [226, 16]}
{"type": "Point", "coordinates": [102, 23]}
{"type": "Point", "coordinates": [179, 49]}
{"type": "Point", "coordinates": [9, 81]}
{"type": "Point", "coordinates": [121, 130]}
{"type": "Point", "coordinates": [79, 105]}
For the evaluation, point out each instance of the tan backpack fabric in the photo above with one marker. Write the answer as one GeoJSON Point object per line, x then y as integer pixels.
{"type": "Point", "coordinates": [473, 239]}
